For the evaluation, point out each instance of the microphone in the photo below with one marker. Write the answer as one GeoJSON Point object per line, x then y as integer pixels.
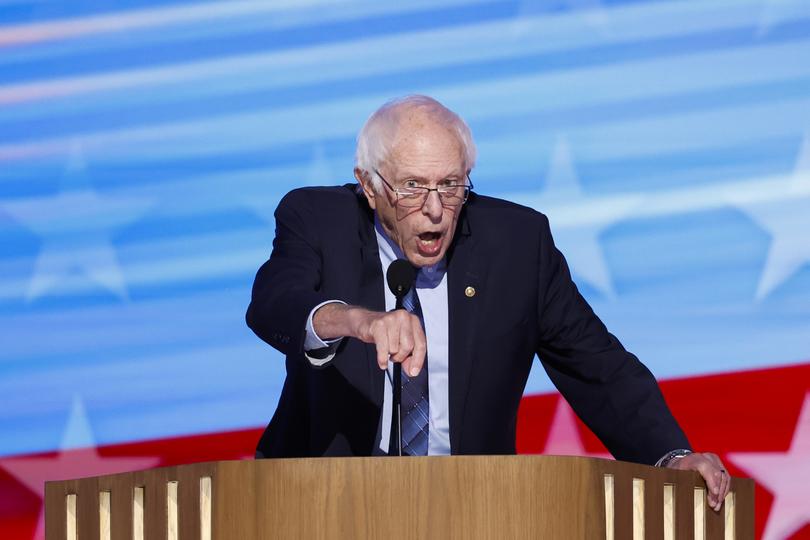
{"type": "Point", "coordinates": [400, 277]}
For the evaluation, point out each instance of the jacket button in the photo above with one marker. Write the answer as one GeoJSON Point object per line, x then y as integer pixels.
{"type": "Point", "coordinates": [469, 292]}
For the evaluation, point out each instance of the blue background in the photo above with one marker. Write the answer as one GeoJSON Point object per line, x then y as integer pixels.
{"type": "Point", "coordinates": [144, 146]}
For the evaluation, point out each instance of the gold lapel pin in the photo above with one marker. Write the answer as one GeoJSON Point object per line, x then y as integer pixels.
{"type": "Point", "coordinates": [469, 292]}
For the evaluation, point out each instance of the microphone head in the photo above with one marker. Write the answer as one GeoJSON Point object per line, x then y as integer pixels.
{"type": "Point", "coordinates": [400, 276]}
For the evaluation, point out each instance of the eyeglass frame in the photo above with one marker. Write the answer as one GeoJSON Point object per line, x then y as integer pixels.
{"type": "Point", "coordinates": [467, 189]}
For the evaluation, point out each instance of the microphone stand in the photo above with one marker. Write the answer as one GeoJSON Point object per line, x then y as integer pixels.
{"type": "Point", "coordinates": [400, 277]}
{"type": "Point", "coordinates": [396, 423]}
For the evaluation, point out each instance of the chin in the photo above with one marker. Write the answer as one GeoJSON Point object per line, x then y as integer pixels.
{"type": "Point", "coordinates": [419, 260]}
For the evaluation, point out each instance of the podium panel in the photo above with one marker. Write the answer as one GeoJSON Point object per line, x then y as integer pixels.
{"type": "Point", "coordinates": [422, 497]}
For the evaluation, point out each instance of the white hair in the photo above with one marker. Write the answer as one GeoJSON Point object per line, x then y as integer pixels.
{"type": "Point", "coordinates": [377, 136]}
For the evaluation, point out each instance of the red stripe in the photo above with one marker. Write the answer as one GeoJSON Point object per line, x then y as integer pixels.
{"type": "Point", "coordinates": [742, 411]}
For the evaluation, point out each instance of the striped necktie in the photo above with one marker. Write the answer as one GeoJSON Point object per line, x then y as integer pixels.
{"type": "Point", "coordinates": [415, 403]}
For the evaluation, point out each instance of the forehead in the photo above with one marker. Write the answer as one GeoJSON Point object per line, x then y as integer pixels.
{"type": "Point", "coordinates": [426, 148]}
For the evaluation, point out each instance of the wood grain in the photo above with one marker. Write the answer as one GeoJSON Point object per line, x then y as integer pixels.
{"type": "Point", "coordinates": [432, 497]}
{"type": "Point", "coordinates": [684, 508]}
{"type": "Point", "coordinates": [715, 522]}
{"type": "Point", "coordinates": [744, 495]}
{"type": "Point", "coordinates": [654, 508]}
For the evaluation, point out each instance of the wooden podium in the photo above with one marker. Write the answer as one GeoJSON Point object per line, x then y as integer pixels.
{"type": "Point", "coordinates": [429, 497]}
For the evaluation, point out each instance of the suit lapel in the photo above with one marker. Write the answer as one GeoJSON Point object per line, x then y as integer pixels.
{"type": "Point", "coordinates": [371, 294]}
{"type": "Point", "coordinates": [466, 273]}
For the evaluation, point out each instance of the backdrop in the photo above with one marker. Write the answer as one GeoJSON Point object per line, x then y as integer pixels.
{"type": "Point", "coordinates": [144, 145]}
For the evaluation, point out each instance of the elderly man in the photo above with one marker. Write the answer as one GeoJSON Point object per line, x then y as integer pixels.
{"type": "Point", "coordinates": [491, 292]}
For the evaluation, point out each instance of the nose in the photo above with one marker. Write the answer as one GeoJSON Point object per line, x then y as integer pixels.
{"type": "Point", "coordinates": [433, 207]}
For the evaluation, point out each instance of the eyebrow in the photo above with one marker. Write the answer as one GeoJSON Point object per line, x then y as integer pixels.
{"type": "Point", "coordinates": [423, 180]}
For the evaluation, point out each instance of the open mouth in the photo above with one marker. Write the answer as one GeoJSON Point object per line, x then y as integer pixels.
{"type": "Point", "coordinates": [429, 243]}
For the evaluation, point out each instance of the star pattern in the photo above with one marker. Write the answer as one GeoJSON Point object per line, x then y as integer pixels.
{"type": "Point", "coordinates": [76, 226]}
{"type": "Point", "coordinates": [578, 219]}
{"type": "Point", "coordinates": [786, 218]}
{"type": "Point", "coordinates": [78, 457]}
{"type": "Point", "coordinates": [563, 436]}
{"type": "Point", "coordinates": [320, 170]}
{"type": "Point", "coordinates": [786, 475]}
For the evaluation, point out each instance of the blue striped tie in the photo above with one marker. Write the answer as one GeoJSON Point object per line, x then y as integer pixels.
{"type": "Point", "coordinates": [415, 404]}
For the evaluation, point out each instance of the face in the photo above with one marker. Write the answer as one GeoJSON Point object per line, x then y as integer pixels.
{"type": "Point", "coordinates": [426, 154]}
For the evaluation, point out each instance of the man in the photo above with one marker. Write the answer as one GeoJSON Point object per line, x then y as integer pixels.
{"type": "Point", "coordinates": [492, 291]}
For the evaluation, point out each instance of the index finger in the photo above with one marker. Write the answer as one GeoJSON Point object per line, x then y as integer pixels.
{"type": "Point", "coordinates": [381, 343]}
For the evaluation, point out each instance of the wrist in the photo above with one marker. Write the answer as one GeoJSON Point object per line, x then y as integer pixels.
{"type": "Point", "coordinates": [358, 322]}
{"type": "Point", "coordinates": [329, 321]}
{"type": "Point", "coordinates": [672, 457]}
{"type": "Point", "coordinates": [338, 320]}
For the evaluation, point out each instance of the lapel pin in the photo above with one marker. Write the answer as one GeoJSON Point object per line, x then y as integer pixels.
{"type": "Point", "coordinates": [469, 292]}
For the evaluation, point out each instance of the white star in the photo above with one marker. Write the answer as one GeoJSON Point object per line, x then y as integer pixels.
{"type": "Point", "coordinates": [76, 226]}
{"type": "Point", "coordinates": [78, 458]}
{"type": "Point", "coordinates": [787, 219]}
{"type": "Point", "coordinates": [787, 476]}
{"type": "Point", "coordinates": [264, 206]}
{"type": "Point", "coordinates": [578, 219]}
{"type": "Point", "coordinates": [775, 12]}
{"type": "Point", "coordinates": [563, 436]}
{"type": "Point", "coordinates": [319, 172]}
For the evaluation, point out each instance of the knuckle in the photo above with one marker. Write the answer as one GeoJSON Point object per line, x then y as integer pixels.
{"type": "Point", "coordinates": [378, 328]}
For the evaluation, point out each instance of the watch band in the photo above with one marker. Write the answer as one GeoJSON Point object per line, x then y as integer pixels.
{"type": "Point", "coordinates": [673, 455]}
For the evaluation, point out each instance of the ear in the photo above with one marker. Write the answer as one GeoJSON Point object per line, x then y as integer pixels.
{"type": "Point", "coordinates": [368, 189]}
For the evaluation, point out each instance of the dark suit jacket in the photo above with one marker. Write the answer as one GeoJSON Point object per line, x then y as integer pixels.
{"type": "Point", "coordinates": [525, 303]}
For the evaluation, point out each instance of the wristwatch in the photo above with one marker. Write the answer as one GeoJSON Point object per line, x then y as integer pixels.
{"type": "Point", "coordinates": [671, 456]}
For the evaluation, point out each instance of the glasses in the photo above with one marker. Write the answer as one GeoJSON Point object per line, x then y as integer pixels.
{"type": "Point", "coordinates": [450, 195]}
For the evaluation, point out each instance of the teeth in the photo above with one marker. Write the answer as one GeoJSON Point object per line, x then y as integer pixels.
{"type": "Point", "coordinates": [429, 239]}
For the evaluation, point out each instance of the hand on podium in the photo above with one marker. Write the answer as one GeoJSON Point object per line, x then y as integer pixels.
{"type": "Point", "coordinates": [714, 473]}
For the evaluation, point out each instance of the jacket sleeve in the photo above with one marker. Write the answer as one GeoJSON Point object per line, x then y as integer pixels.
{"type": "Point", "coordinates": [287, 286]}
{"type": "Point", "coordinates": [608, 387]}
